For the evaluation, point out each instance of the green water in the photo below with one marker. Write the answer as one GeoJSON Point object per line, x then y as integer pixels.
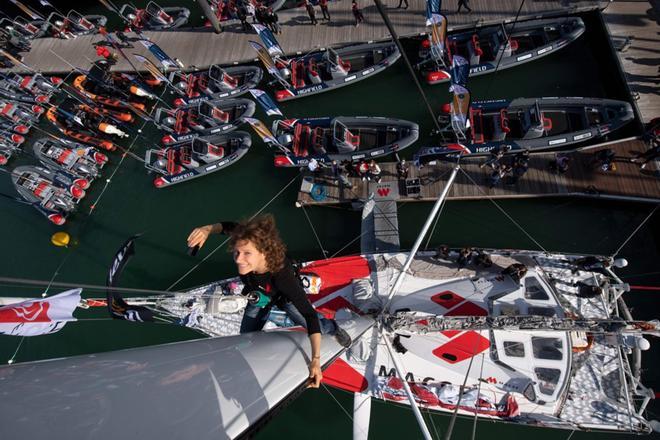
{"type": "Point", "coordinates": [130, 204]}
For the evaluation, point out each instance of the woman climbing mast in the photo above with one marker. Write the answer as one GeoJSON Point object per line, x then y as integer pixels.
{"type": "Point", "coordinates": [269, 279]}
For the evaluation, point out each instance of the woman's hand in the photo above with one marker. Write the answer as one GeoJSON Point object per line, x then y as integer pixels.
{"type": "Point", "coordinates": [315, 373]}
{"type": "Point", "coordinates": [199, 235]}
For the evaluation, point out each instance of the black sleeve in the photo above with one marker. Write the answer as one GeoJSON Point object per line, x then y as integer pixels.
{"type": "Point", "coordinates": [288, 284]}
{"type": "Point", "coordinates": [227, 227]}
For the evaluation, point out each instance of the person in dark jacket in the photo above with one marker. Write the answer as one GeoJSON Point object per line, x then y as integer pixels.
{"type": "Point", "coordinates": [311, 12]}
{"type": "Point", "coordinates": [324, 9]}
{"type": "Point", "coordinates": [270, 279]}
{"type": "Point", "coordinates": [357, 13]}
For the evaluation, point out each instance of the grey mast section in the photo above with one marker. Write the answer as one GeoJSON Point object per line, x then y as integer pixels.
{"type": "Point", "coordinates": [213, 389]}
{"type": "Point", "coordinates": [380, 221]}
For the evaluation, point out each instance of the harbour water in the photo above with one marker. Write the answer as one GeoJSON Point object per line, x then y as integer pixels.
{"type": "Point", "coordinates": [129, 204]}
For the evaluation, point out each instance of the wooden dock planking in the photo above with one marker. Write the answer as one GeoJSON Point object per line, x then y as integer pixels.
{"type": "Point", "coordinates": [202, 47]}
{"type": "Point", "coordinates": [581, 179]}
{"type": "Point", "coordinates": [640, 60]}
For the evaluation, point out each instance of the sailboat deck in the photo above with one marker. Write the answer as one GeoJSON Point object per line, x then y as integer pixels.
{"type": "Point", "coordinates": [582, 179]}
{"type": "Point", "coordinates": [201, 47]}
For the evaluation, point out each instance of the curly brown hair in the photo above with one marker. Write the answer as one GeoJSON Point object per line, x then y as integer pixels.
{"type": "Point", "coordinates": [262, 232]}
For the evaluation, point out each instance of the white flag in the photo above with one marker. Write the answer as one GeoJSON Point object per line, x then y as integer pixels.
{"type": "Point", "coordinates": [39, 316]}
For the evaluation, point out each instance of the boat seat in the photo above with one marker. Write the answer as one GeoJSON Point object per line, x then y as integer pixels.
{"type": "Point", "coordinates": [301, 140]}
{"type": "Point", "coordinates": [229, 80]}
{"type": "Point", "coordinates": [172, 166]}
{"type": "Point", "coordinates": [220, 115]}
{"type": "Point", "coordinates": [475, 50]}
{"type": "Point", "coordinates": [297, 74]}
{"type": "Point", "coordinates": [63, 156]}
{"type": "Point", "coordinates": [504, 121]}
{"type": "Point", "coordinates": [313, 73]}
{"type": "Point", "coordinates": [547, 123]}
{"type": "Point", "coordinates": [179, 122]}
{"type": "Point", "coordinates": [477, 124]}
{"type": "Point", "coordinates": [41, 188]}
{"type": "Point", "coordinates": [513, 44]}
{"type": "Point", "coordinates": [216, 150]}
{"type": "Point", "coordinates": [318, 138]}
{"type": "Point", "coordinates": [351, 141]}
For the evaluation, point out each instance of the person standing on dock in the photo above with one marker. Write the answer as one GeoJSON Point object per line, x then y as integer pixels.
{"type": "Point", "coordinates": [324, 9]}
{"type": "Point", "coordinates": [401, 2]}
{"type": "Point", "coordinates": [463, 4]}
{"type": "Point", "coordinates": [270, 279]}
{"type": "Point", "coordinates": [311, 12]}
{"type": "Point", "coordinates": [357, 13]}
{"type": "Point", "coordinates": [242, 13]}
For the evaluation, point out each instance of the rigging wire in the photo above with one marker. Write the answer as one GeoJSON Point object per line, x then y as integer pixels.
{"type": "Point", "coordinates": [490, 198]}
{"type": "Point", "coordinates": [395, 37]}
{"type": "Point", "coordinates": [227, 239]}
{"type": "Point", "coordinates": [318, 240]}
{"type": "Point", "coordinates": [635, 231]}
{"type": "Point", "coordinates": [476, 413]}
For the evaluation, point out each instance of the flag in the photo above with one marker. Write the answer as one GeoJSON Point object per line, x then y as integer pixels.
{"type": "Point", "coordinates": [45, 3]}
{"type": "Point", "coordinates": [268, 62]}
{"type": "Point", "coordinates": [432, 8]}
{"type": "Point", "coordinates": [438, 35]}
{"type": "Point", "coordinates": [460, 71]}
{"type": "Point", "coordinates": [460, 108]}
{"type": "Point", "coordinates": [151, 67]}
{"type": "Point", "coordinates": [266, 102]}
{"type": "Point", "coordinates": [263, 132]}
{"type": "Point", "coordinates": [118, 308]}
{"type": "Point", "coordinates": [272, 45]}
{"type": "Point", "coordinates": [39, 316]}
{"type": "Point", "coordinates": [33, 14]}
{"type": "Point", "coordinates": [160, 55]}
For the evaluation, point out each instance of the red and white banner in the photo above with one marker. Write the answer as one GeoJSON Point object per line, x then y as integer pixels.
{"type": "Point", "coordinates": [39, 316]}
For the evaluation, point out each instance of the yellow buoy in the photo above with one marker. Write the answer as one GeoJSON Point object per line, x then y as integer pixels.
{"type": "Point", "coordinates": [60, 239]}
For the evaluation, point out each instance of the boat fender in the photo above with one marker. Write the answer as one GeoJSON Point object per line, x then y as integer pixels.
{"type": "Point", "coordinates": [446, 108]}
{"type": "Point", "coordinates": [426, 43]}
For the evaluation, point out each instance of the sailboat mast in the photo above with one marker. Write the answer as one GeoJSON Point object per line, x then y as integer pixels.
{"type": "Point", "coordinates": [420, 237]}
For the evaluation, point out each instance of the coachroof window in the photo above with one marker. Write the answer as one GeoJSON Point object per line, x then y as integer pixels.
{"type": "Point", "coordinates": [514, 349]}
{"type": "Point", "coordinates": [533, 289]}
{"type": "Point", "coordinates": [547, 348]}
{"type": "Point", "coordinates": [548, 378]}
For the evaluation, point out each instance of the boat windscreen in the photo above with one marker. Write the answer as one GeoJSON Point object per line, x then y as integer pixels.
{"type": "Point", "coordinates": [154, 9]}
{"type": "Point", "coordinates": [216, 73]}
{"type": "Point", "coordinates": [332, 57]}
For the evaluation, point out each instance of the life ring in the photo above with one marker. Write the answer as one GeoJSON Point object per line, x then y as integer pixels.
{"type": "Point", "coordinates": [318, 192]}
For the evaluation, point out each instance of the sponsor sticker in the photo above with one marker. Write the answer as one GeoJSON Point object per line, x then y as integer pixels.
{"type": "Point", "coordinates": [544, 50]}
{"type": "Point", "coordinates": [368, 71]}
{"type": "Point", "coordinates": [524, 57]}
{"type": "Point", "coordinates": [581, 136]}
{"type": "Point", "coordinates": [182, 177]}
{"type": "Point", "coordinates": [557, 141]}
{"type": "Point", "coordinates": [350, 78]}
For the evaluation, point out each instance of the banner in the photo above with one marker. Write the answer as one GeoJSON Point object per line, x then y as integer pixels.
{"type": "Point", "coordinates": [266, 102]}
{"type": "Point", "coordinates": [118, 308]}
{"type": "Point", "coordinates": [432, 8]}
{"type": "Point", "coordinates": [151, 68]}
{"type": "Point", "coordinates": [263, 132]}
{"type": "Point", "coordinates": [438, 35]}
{"type": "Point", "coordinates": [39, 316]}
{"type": "Point", "coordinates": [268, 62]}
{"type": "Point", "coordinates": [273, 46]}
{"type": "Point", "coordinates": [460, 71]}
{"type": "Point", "coordinates": [160, 55]}
{"type": "Point", "coordinates": [32, 13]}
